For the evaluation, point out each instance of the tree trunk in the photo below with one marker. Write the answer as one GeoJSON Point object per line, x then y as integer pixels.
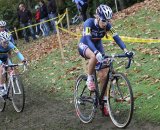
{"type": "Point", "coordinates": [121, 4]}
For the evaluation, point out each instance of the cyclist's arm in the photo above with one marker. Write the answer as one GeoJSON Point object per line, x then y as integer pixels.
{"type": "Point", "coordinates": [115, 36]}
{"type": "Point", "coordinates": [14, 48]}
{"type": "Point", "coordinates": [0, 62]}
{"type": "Point", "coordinates": [88, 37]}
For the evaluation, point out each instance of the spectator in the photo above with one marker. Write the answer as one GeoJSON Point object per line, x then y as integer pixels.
{"type": "Point", "coordinates": [3, 28]}
{"type": "Point", "coordinates": [37, 17]}
{"type": "Point", "coordinates": [24, 18]}
{"type": "Point", "coordinates": [44, 17]}
{"type": "Point", "coordinates": [82, 6]}
{"type": "Point", "coordinates": [52, 10]}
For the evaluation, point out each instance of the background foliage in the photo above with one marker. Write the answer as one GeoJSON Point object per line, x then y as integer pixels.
{"type": "Point", "coordinates": [8, 8]}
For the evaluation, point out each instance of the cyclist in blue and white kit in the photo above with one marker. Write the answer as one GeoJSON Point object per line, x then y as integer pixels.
{"type": "Point", "coordinates": [90, 46]}
{"type": "Point", "coordinates": [3, 28]}
{"type": "Point", "coordinates": [5, 47]}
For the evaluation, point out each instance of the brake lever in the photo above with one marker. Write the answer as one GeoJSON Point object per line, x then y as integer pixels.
{"type": "Point", "coordinates": [129, 63]}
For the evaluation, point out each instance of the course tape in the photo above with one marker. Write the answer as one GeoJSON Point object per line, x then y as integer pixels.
{"type": "Point", "coordinates": [132, 39]}
{"type": "Point", "coordinates": [125, 39]}
{"type": "Point", "coordinates": [69, 32]}
{"type": "Point", "coordinates": [109, 38]}
{"type": "Point", "coordinates": [60, 19]}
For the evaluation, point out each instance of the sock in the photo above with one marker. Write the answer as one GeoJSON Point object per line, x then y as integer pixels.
{"type": "Point", "coordinates": [105, 98]}
{"type": "Point", "coordinates": [90, 78]}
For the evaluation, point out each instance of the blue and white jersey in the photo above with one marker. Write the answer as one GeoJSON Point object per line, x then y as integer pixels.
{"type": "Point", "coordinates": [11, 37]}
{"type": "Point", "coordinates": [92, 34]}
{"type": "Point", "coordinates": [10, 47]}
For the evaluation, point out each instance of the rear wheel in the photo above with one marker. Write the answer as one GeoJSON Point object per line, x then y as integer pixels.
{"type": "Point", "coordinates": [84, 100]}
{"type": "Point", "coordinates": [18, 95]}
{"type": "Point", "coordinates": [120, 100]}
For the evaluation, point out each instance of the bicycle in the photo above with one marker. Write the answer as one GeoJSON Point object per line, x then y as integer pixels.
{"type": "Point", "coordinates": [14, 87]}
{"type": "Point", "coordinates": [120, 100]}
{"type": "Point", "coordinates": [76, 19]}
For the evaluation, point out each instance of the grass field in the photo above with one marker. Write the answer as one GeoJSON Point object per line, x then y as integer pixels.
{"type": "Point", "coordinates": [53, 76]}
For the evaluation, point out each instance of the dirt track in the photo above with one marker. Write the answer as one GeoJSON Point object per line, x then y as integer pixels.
{"type": "Point", "coordinates": [43, 112]}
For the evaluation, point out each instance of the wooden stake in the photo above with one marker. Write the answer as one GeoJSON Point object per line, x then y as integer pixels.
{"type": "Point", "coordinates": [60, 22]}
{"type": "Point", "coordinates": [15, 30]}
{"type": "Point", "coordinates": [116, 5]}
{"type": "Point", "coordinates": [67, 16]}
{"type": "Point", "coordinates": [59, 41]}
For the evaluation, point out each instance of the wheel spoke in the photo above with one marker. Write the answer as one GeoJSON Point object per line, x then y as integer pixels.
{"type": "Point", "coordinates": [83, 99]}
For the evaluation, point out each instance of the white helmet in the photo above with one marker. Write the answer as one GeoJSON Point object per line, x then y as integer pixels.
{"type": "Point", "coordinates": [104, 12]}
{"type": "Point", "coordinates": [2, 23]}
{"type": "Point", "coordinates": [37, 7]}
{"type": "Point", "coordinates": [5, 36]}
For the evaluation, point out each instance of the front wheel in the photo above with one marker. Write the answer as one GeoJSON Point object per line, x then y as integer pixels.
{"type": "Point", "coordinates": [18, 95]}
{"type": "Point", "coordinates": [120, 100]}
{"type": "Point", "coordinates": [84, 100]}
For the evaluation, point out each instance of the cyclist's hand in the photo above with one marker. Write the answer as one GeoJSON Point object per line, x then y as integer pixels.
{"type": "Point", "coordinates": [24, 61]}
{"type": "Point", "coordinates": [99, 57]}
{"type": "Point", "coordinates": [129, 54]}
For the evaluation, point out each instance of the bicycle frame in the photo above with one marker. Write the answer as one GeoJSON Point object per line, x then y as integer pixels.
{"type": "Point", "coordinates": [99, 96]}
{"type": "Point", "coordinates": [9, 78]}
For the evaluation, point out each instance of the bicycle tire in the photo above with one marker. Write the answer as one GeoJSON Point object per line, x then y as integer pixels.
{"type": "Point", "coordinates": [3, 99]}
{"type": "Point", "coordinates": [18, 94]}
{"type": "Point", "coordinates": [84, 100]}
{"type": "Point", "coordinates": [2, 104]}
{"type": "Point", "coordinates": [120, 100]}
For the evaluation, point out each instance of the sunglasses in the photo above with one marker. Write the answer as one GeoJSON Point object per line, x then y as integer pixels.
{"type": "Point", "coordinates": [2, 26]}
{"type": "Point", "coordinates": [104, 21]}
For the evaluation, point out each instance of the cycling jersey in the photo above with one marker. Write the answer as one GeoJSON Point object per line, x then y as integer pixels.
{"type": "Point", "coordinates": [4, 52]}
{"type": "Point", "coordinates": [92, 35]}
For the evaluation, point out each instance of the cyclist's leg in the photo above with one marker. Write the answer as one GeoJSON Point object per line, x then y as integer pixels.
{"type": "Point", "coordinates": [87, 53]}
{"type": "Point", "coordinates": [1, 71]}
{"type": "Point", "coordinates": [2, 78]}
{"type": "Point", "coordinates": [102, 74]}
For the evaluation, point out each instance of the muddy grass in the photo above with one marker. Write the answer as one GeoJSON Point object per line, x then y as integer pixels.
{"type": "Point", "coordinates": [45, 112]}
